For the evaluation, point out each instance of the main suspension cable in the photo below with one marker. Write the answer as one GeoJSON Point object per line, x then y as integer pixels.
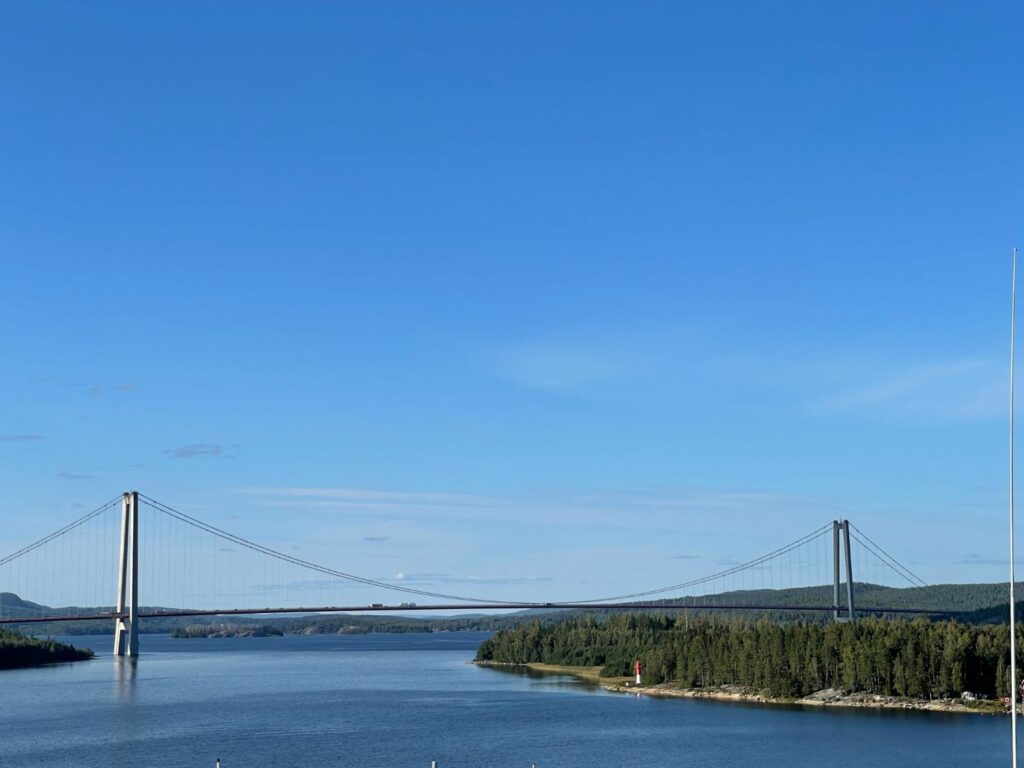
{"type": "Point", "coordinates": [67, 528]}
{"type": "Point", "coordinates": [721, 574]}
{"type": "Point", "coordinates": [196, 523]}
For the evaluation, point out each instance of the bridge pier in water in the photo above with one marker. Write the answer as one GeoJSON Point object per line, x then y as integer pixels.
{"type": "Point", "coordinates": [126, 628]}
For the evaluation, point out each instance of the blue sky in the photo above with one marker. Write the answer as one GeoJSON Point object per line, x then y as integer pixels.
{"type": "Point", "coordinates": [595, 295]}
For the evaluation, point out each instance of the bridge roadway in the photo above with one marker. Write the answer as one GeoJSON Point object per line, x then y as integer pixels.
{"type": "Point", "coordinates": [378, 608]}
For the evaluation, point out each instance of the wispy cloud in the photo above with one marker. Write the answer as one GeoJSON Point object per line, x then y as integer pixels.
{"type": "Point", "coordinates": [97, 391]}
{"type": "Point", "coordinates": [961, 389]}
{"type": "Point", "coordinates": [312, 584]}
{"type": "Point", "coordinates": [375, 539]}
{"type": "Point", "coordinates": [375, 500]}
{"type": "Point", "coordinates": [640, 355]}
{"type": "Point", "coordinates": [557, 366]}
{"type": "Point", "coordinates": [65, 475]}
{"type": "Point", "coordinates": [685, 557]}
{"type": "Point", "coordinates": [201, 449]}
{"type": "Point", "coordinates": [975, 559]}
{"type": "Point", "coordinates": [21, 438]}
{"type": "Point", "coordinates": [706, 509]}
{"type": "Point", "coordinates": [444, 578]}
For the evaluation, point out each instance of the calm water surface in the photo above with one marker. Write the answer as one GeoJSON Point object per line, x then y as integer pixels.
{"type": "Point", "coordinates": [404, 700]}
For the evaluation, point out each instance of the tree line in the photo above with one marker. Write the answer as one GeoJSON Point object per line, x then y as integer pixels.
{"type": "Point", "coordinates": [17, 650]}
{"type": "Point", "coordinates": [919, 659]}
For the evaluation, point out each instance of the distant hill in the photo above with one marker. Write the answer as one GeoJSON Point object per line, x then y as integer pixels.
{"type": "Point", "coordinates": [977, 602]}
{"type": "Point", "coordinates": [944, 597]}
{"type": "Point", "coordinates": [11, 604]}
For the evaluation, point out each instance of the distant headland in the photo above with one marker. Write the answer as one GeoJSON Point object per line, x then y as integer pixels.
{"type": "Point", "coordinates": [18, 651]}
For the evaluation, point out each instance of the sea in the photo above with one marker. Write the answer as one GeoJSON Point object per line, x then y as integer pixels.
{"type": "Point", "coordinates": [411, 700]}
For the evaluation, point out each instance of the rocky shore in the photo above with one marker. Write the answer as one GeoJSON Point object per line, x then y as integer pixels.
{"type": "Point", "coordinates": [826, 698]}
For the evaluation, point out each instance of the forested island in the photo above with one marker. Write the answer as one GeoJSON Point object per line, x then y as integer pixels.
{"type": "Point", "coordinates": [917, 660]}
{"type": "Point", "coordinates": [17, 651]}
{"type": "Point", "coordinates": [226, 630]}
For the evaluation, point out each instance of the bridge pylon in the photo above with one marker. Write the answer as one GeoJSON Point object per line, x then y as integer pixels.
{"type": "Point", "coordinates": [126, 625]}
{"type": "Point", "coordinates": [842, 529]}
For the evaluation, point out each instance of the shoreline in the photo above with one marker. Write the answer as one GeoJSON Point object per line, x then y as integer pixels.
{"type": "Point", "coordinates": [739, 694]}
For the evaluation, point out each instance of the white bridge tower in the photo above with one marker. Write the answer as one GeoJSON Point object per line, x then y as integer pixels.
{"type": "Point", "coordinates": [126, 626]}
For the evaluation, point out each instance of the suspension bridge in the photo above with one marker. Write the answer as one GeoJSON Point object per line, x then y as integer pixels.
{"type": "Point", "coordinates": [191, 568]}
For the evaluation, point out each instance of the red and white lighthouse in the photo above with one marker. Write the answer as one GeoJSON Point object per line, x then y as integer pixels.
{"type": "Point", "coordinates": [636, 666]}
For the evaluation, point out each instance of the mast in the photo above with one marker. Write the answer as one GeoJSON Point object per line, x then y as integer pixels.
{"type": "Point", "coordinates": [1013, 620]}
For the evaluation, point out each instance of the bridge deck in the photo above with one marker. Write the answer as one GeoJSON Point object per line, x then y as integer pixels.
{"type": "Point", "coordinates": [474, 607]}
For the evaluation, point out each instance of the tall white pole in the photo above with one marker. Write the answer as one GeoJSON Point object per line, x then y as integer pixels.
{"type": "Point", "coordinates": [1013, 620]}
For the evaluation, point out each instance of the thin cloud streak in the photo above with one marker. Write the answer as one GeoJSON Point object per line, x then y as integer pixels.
{"type": "Point", "coordinates": [565, 364]}
{"type": "Point", "coordinates": [554, 367]}
{"type": "Point", "coordinates": [98, 391]}
{"type": "Point", "coordinates": [197, 450]}
{"type": "Point", "coordinates": [444, 578]}
{"type": "Point", "coordinates": [366, 496]}
{"type": "Point", "coordinates": [975, 559]}
{"type": "Point", "coordinates": [705, 510]}
{"type": "Point", "coordinates": [65, 475]}
{"type": "Point", "coordinates": [962, 389]}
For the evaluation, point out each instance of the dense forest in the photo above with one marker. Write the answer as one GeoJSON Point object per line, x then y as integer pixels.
{"type": "Point", "coordinates": [17, 650]}
{"type": "Point", "coordinates": [919, 659]}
